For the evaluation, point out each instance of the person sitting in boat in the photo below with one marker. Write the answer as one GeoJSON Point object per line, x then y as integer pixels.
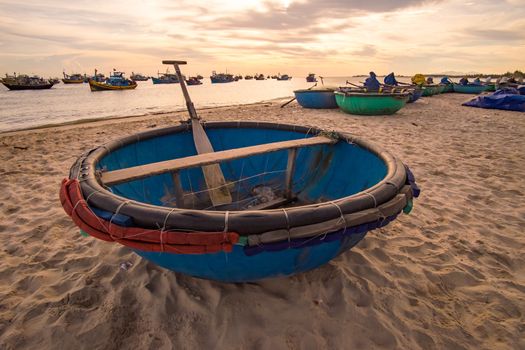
{"type": "Point", "coordinates": [477, 81]}
{"type": "Point", "coordinates": [430, 80]}
{"type": "Point", "coordinates": [463, 81]}
{"type": "Point", "coordinates": [391, 80]}
{"type": "Point", "coordinates": [445, 80]}
{"type": "Point", "coordinates": [371, 83]}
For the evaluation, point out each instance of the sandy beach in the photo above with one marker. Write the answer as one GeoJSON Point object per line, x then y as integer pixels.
{"type": "Point", "coordinates": [451, 275]}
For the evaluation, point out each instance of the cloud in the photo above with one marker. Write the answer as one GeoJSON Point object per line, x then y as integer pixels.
{"type": "Point", "coordinates": [367, 50]}
{"type": "Point", "coordinates": [309, 13]}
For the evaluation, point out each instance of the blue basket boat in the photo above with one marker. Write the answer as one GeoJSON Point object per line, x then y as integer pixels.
{"type": "Point", "coordinates": [301, 197]}
{"type": "Point", "coordinates": [322, 98]}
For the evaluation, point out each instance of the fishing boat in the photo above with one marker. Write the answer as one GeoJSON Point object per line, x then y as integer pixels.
{"type": "Point", "coordinates": [238, 77]}
{"type": "Point", "coordinates": [414, 91]}
{"type": "Point", "coordinates": [274, 76]}
{"type": "Point", "coordinates": [200, 77]}
{"type": "Point", "coordinates": [292, 198]}
{"type": "Point", "coordinates": [370, 103]}
{"type": "Point", "coordinates": [316, 98]}
{"type": "Point", "coordinates": [311, 78]}
{"type": "Point", "coordinates": [98, 77]}
{"type": "Point", "coordinates": [259, 77]}
{"type": "Point", "coordinates": [248, 77]}
{"type": "Point", "coordinates": [25, 82]}
{"type": "Point", "coordinates": [469, 88]}
{"type": "Point", "coordinates": [116, 81]}
{"type": "Point", "coordinates": [165, 78]}
{"type": "Point", "coordinates": [193, 81]}
{"type": "Point", "coordinates": [284, 77]}
{"type": "Point", "coordinates": [138, 77]}
{"type": "Point", "coordinates": [221, 78]}
{"type": "Point", "coordinates": [431, 89]}
{"type": "Point", "coordinates": [448, 88]}
{"type": "Point", "coordinates": [73, 78]}
{"type": "Point", "coordinates": [414, 94]}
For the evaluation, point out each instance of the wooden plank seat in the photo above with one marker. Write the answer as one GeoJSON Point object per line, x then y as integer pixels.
{"type": "Point", "coordinates": [174, 165]}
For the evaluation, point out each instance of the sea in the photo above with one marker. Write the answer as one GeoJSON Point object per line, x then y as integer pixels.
{"type": "Point", "coordinates": [71, 103]}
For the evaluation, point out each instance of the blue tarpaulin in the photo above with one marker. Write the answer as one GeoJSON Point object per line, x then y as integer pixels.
{"type": "Point", "coordinates": [506, 99]}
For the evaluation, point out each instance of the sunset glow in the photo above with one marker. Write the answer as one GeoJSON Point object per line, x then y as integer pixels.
{"type": "Point", "coordinates": [330, 37]}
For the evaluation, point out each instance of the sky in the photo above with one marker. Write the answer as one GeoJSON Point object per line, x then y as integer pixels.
{"type": "Point", "coordinates": [327, 37]}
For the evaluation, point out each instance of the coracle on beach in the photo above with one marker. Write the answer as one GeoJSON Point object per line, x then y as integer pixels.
{"type": "Point", "coordinates": [370, 103]}
{"type": "Point", "coordinates": [286, 203]}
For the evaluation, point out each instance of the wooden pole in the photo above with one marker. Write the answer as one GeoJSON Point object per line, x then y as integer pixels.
{"type": "Point", "coordinates": [218, 191]}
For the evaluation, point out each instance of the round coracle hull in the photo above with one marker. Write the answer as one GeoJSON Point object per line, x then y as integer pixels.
{"type": "Point", "coordinates": [316, 99]}
{"type": "Point", "coordinates": [241, 243]}
{"type": "Point", "coordinates": [469, 89]}
{"type": "Point", "coordinates": [371, 103]}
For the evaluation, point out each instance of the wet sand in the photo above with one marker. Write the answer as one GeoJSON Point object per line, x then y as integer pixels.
{"type": "Point", "coordinates": [451, 275]}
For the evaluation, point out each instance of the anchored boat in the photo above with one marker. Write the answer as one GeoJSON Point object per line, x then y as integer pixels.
{"type": "Point", "coordinates": [116, 81]}
{"type": "Point", "coordinates": [311, 78]}
{"type": "Point", "coordinates": [284, 77]}
{"type": "Point", "coordinates": [25, 82]}
{"type": "Point", "coordinates": [138, 77]}
{"type": "Point", "coordinates": [73, 78]}
{"type": "Point", "coordinates": [221, 78]}
{"type": "Point", "coordinates": [193, 81]}
{"type": "Point", "coordinates": [236, 201]}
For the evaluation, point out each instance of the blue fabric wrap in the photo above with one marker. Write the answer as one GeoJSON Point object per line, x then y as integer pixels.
{"type": "Point", "coordinates": [372, 84]}
{"type": "Point", "coordinates": [411, 180]}
{"type": "Point", "coordinates": [445, 80]}
{"type": "Point", "coordinates": [499, 100]}
{"type": "Point", "coordinates": [355, 234]}
{"type": "Point", "coordinates": [390, 79]}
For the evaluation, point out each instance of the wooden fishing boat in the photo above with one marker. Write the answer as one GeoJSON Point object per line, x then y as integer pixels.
{"type": "Point", "coordinates": [138, 77]}
{"type": "Point", "coordinates": [430, 89]}
{"type": "Point", "coordinates": [259, 77]}
{"type": "Point", "coordinates": [165, 78]}
{"type": "Point", "coordinates": [275, 213]}
{"type": "Point", "coordinates": [193, 81]}
{"type": "Point", "coordinates": [248, 77]}
{"type": "Point", "coordinates": [218, 78]}
{"type": "Point", "coordinates": [284, 77]}
{"type": "Point", "coordinates": [116, 81]}
{"type": "Point", "coordinates": [317, 98]}
{"type": "Point", "coordinates": [73, 78]}
{"type": "Point", "coordinates": [311, 78]}
{"type": "Point", "coordinates": [370, 103]}
{"type": "Point", "coordinates": [469, 88]}
{"type": "Point", "coordinates": [25, 82]}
